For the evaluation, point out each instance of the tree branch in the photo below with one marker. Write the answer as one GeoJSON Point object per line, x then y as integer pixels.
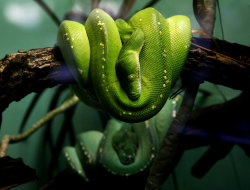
{"type": "Point", "coordinates": [212, 60]}
{"type": "Point", "coordinates": [30, 71]}
{"type": "Point", "coordinates": [24, 135]}
{"type": "Point", "coordinates": [219, 62]}
{"type": "Point", "coordinates": [221, 126]}
{"type": "Point", "coordinates": [225, 122]}
{"type": "Point", "coordinates": [171, 149]}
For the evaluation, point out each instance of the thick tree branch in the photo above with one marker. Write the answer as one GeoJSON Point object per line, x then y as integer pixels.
{"type": "Point", "coordinates": [222, 126]}
{"type": "Point", "coordinates": [219, 62]}
{"type": "Point", "coordinates": [212, 60]}
{"type": "Point", "coordinates": [171, 149]}
{"type": "Point", "coordinates": [30, 71]}
{"type": "Point", "coordinates": [225, 122]}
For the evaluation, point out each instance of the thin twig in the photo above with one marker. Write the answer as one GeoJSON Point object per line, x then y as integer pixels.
{"type": "Point", "coordinates": [204, 12]}
{"type": "Point", "coordinates": [64, 130]}
{"type": "Point", "coordinates": [29, 110]}
{"type": "Point", "coordinates": [52, 105]}
{"type": "Point", "coordinates": [150, 4]}
{"type": "Point", "coordinates": [7, 139]}
{"type": "Point", "coordinates": [95, 4]}
{"type": "Point", "coordinates": [49, 11]}
{"type": "Point", "coordinates": [4, 145]}
{"type": "Point", "coordinates": [125, 8]}
{"type": "Point", "coordinates": [220, 17]}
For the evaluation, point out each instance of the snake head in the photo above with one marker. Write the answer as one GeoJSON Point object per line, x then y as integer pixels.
{"type": "Point", "coordinates": [127, 156]}
{"type": "Point", "coordinates": [129, 74]}
{"type": "Point", "coordinates": [125, 143]}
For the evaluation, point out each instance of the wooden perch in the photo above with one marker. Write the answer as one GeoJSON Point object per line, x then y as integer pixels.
{"type": "Point", "coordinates": [30, 71]}
{"type": "Point", "coordinates": [219, 62]}
{"type": "Point", "coordinates": [210, 60]}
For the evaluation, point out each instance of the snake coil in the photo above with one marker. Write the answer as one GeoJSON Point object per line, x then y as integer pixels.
{"type": "Point", "coordinates": [126, 69]}
{"type": "Point", "coordinates": [123, 148]}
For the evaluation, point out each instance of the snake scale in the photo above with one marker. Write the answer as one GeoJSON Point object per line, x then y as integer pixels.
{"type": "Point", "coordinates": [126, 69]}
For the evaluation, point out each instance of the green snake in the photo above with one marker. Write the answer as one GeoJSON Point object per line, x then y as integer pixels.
{"type": "Point", "coordinates": [123, 148]}
{"type": "Point", "coordinates": [126, 69]}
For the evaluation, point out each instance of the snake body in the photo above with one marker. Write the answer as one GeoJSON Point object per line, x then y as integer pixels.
{"type": "Point", "coordinates": [123, 148]}
{"type": "Point", "coordinates": [126, 69]}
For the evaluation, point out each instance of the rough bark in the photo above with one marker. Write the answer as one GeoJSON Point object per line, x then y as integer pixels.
{"type": "Point", "coordinates": [219, 62]}
{"type": "Point", "coordinates": [30, 71]}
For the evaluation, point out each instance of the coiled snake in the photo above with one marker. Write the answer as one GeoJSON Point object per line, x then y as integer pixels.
{"type": "Point", "coordinates": [126, 69]}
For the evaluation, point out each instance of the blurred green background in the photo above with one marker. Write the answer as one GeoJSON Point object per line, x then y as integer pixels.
{"type": "Point", "coordinates": [24, 25]}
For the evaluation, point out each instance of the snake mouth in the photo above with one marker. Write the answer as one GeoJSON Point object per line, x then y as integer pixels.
{"type": "Point", "coordinates": [133, 95]}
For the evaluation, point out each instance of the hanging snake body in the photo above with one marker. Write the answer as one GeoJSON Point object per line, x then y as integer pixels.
{"type": "Point", "coordinates": [123, 148]}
